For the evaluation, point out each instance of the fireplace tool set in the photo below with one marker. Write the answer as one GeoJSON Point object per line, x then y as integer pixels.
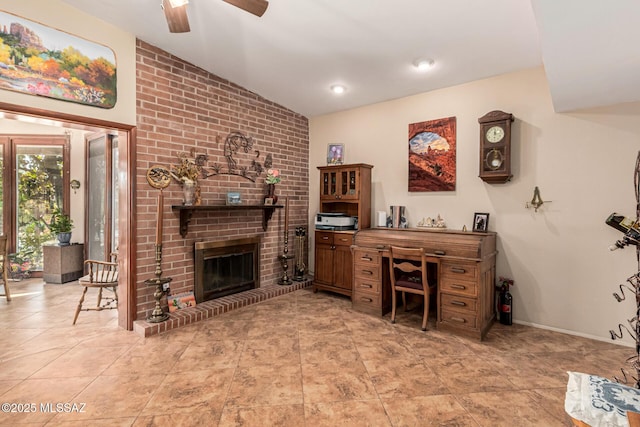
{"type": "Point", "coordinates": [300, 267]}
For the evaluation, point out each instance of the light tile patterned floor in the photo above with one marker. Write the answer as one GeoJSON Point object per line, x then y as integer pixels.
{"type": "Point", "coordinates": [301, 359]}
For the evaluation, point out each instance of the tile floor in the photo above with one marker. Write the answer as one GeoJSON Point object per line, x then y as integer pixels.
{"type": "Point", "coordinates": [301, 359]}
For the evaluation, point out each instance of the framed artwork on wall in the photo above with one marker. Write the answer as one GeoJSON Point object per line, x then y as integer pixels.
{"type": "Point", "coordinates": [234, 198]}
{"type": "Point", "coordinates": [45, 61]}
{"type": "Point", "coordinates": [480, 221]}
{"type": "Point", "coordinates": [432, 155]}
{"type": "Point", "coordinates": [335, 154]}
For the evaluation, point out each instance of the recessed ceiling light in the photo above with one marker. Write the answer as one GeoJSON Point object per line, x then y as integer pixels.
{"type": "Point", "coordinates": [423, 64]}
{"type": "Point", "coordinates": [338, 89]}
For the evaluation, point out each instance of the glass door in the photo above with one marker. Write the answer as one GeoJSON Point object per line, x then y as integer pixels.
{"type": "Point", "coordinates": [101, 196]}
{"type": "Point", "coordinates": [38, 184]}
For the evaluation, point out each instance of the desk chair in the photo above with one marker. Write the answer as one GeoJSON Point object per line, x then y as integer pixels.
{"type": "Point", "coordinates": [103, 276]}
{"type": "Point", "coordinates": [4, 263]}
{"type": "Point", "coordinates": [408, 271]}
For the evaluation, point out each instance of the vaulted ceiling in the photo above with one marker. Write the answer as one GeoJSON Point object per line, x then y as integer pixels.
{"type": "Point", "coordinates": [298, 49]}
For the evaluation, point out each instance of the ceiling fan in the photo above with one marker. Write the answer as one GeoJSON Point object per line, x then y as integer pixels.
{"type": "Point", "coordinates": [176, 12]}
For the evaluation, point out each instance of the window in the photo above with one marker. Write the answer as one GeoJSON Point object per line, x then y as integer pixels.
{"type": "Point", "coordinates": [35, 183]}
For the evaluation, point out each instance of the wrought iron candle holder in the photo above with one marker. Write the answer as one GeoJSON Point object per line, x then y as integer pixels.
{"type": "Point", "coordinates": [285, 257]}
{"type": "Point", "coordinates": [158, 177]}
{"type": "Point", "coordinates": [158, 315]}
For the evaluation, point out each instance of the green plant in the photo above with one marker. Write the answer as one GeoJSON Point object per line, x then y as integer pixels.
{"type": "Point", "coordinates": [60, 222]}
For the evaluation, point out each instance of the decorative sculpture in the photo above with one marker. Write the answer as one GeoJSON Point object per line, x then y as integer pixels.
{"type": "Point", "coordinates": [632, 284]}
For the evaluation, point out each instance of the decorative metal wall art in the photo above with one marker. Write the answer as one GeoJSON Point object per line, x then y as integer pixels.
{"type": "Point", "coordinates": [241, 157]}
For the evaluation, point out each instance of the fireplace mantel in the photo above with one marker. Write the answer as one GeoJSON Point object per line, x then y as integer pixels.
{"type": "Point", "coordinates": [186, 212]}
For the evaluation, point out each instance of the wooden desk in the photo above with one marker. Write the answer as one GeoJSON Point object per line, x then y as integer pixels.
{"type": "Point", "coordinates": [466, 295]}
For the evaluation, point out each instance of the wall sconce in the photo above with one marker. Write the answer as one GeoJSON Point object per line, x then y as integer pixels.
{"type": "Point", "coordinates": [536, 201]}
{"type": "Point", "coordinates": [75, 184]}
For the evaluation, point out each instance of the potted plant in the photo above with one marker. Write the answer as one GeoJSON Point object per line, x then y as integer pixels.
{"type": "Point", "coordinates": [61, 224]}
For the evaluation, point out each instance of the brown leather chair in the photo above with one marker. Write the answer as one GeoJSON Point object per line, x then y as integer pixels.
{"type": "Point", "coordinates": [102, 276]}
{"type": "Point", "coordinates": [4, 263]}
{"type": "Point", "coordinates": [409, 273]}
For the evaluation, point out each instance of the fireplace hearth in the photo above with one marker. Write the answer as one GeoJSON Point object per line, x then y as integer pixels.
{"type": "Point", "coordinates": [226, 267]}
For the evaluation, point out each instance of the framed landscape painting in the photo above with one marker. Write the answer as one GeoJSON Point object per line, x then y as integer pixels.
{"type": "Point", "coordinates": [432, 155]}
{"type": "Point", "coordinates": [43, 61]}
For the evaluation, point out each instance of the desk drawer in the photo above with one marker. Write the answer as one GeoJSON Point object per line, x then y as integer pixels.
{"type": "Point", "coordinates": [458, 319]}
{"type": "Point", "coordinates": [458, 303]}
{"type": "Point", "coordinates": [460, 287]}
{"type": "Point", "coordinates": [366, 300]}
{"type": "Point", "coordinates": [459, 270]}
{"type": "Point", "coordinates": [365, 285]}
{"type": "Point", "coordinates": [366, 272]}
{"type": "Point", "coordinates": [325, 237]}
{"type": "Point", "coordinates": [340, 239]}
{"type": "Point", "coordinates": [366, 257]}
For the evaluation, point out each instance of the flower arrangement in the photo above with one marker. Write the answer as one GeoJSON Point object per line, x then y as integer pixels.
{"type": "Point", "coordinates": [273, 176]}
{"type": "Point", "coordinates": [187, 171]}
{"type": "Point", "coordinates": [504, 281]}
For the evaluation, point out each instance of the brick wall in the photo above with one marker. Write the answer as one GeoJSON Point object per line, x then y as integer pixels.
{"type": "Point", "coordinates": [181, 107]}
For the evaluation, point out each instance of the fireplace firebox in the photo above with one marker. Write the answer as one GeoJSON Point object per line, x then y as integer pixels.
{"type": "Point", "coordinates": [226, 267]}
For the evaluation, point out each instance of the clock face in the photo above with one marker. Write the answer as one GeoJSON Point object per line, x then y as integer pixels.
{"type": "Point", "coordinates": [494, 134]}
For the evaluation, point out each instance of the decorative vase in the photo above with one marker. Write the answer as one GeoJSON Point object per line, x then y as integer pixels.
{"type": "Point", "coordinates": [64, 239]}
{"type": "Point", "coordinates": [189, 193]}
{"type": "Point", "coordinates": [271, 193]}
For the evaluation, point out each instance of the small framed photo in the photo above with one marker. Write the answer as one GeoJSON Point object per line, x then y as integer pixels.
{"type": "Point", "coordinates": [268, 201]}
{"type": "Point", "coordinates": [234, 198]}
{"type": "Point", "coordinates": [480, 221]}
{"type": "Point", "coordinates": [335, 154]}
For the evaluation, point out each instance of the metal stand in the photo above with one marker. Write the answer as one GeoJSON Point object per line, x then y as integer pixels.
{"type": "Point", "coordinates": [284, 260]}
{"type": "Point", "coordinates": [300, 267]}
{"type": "Point", "coordinates": [158, 315]}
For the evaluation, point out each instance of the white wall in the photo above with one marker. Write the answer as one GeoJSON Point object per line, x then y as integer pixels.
{"type": "Point", "coordinates": [61, 16]}
{"type": "Point", "coordinates": [583, 162]}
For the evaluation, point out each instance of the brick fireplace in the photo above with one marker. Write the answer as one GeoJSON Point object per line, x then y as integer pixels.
{"type": "Point", "coordinates": [226, 267]}
{"type": "Point", "coordinates": [181, 108]}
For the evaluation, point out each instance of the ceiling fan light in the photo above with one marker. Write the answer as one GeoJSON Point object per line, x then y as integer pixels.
{"type": "Point", "coordinates": [178, 3]}
{"type": "Point", "coordinates": [423, 64]}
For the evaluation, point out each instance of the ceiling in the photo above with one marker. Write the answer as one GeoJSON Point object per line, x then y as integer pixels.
{"type": "Point", "coordinates": [299, 48]}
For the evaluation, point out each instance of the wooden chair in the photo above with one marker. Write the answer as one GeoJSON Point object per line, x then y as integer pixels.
{"type": "Point", "coordinates": [4, 262]}
{"type": "Point", "coordinates": [102, 275]}
{"type": "Point", "coordinates": [408, 271]}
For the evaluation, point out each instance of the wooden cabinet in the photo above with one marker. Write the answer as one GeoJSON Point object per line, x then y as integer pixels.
{"type": "Point", "coordinates": [334, 265]}
{"type": "Point", "coordinates": [347, 189]}
{"type": "Point", "coordinates": [465, 297]}
{"type": "Point", "coordinates": [343, 189]}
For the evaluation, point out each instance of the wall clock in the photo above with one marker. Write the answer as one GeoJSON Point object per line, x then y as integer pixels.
{"type": "Point", "coordinates": [495, 146]}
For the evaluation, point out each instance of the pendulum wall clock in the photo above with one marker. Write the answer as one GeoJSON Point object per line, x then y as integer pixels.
{"type": "Point", "coordinates": [495, 146]}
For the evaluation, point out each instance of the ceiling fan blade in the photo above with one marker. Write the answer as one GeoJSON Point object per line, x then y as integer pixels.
{"type": "Point", "coordinates": [176, 17]}
{"type": "Point", "coordinates": [257, 7]}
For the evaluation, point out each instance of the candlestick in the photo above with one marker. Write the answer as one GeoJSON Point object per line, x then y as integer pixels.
{"type": "Point", "coordinates": [286, 214]}
{"type": "Point", "coordinates": [159, 219]}
{"type": "Point", "coordinates": [285, 257]}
